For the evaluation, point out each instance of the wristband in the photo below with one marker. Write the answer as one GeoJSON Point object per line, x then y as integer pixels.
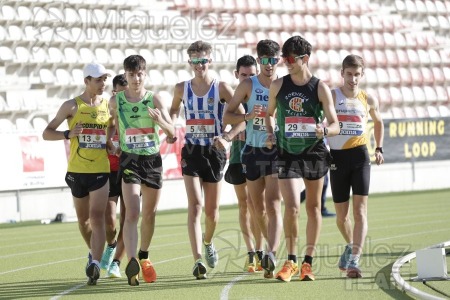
{"type": "Point", "coordinates": [66, 134]}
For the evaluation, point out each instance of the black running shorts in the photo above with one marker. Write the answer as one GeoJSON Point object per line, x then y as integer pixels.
{"type": "Point", "coordinates": [311, 164]}
{"type": "Point", "coordinates": [259, 162]}
{"type": "Point", "coordinates": [141, 169]}
{"type": "Point", "coordinates": [235, 174]}
{"type": "Point", "coordinates": [81, 184]}
{"type": "Point", "coordinates": [350, 168]}
{"type": "Point", "coordinates": [206, 162]}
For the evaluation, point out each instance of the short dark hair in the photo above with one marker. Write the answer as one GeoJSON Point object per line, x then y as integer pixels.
{"type": "Point", "coordinates": [353, 61]}
{"type": "Point", "coordinates": [199, 46]}
{"type": "Point", "coordinates": [119, 80]}
{"type": "Point", "coordinates": [134, 63]}
{"type": "Point", "coordinates": [267, 47]}
{"type": "Point", "coordinates": [296, 45]}
{"type": "Point", "coordinates": [246, 61]}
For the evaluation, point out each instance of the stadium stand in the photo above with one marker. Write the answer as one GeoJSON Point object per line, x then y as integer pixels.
{"type": "Point", "coordinates": [405, 45]}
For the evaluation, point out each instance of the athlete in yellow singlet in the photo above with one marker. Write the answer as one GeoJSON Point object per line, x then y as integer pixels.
{"type": "Point", "coordinates": [88, 167]}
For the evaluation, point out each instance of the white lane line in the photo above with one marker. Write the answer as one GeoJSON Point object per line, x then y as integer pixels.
{"type": "Point", "coordinates": [42, 265]}
{"type": "Point", "coordinates": [67, 291]}
{"type": "Point", "coordinates": [227, 288]}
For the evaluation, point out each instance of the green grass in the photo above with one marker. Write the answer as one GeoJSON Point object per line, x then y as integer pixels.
{"type": "Point", "coordinates": [45, 261]}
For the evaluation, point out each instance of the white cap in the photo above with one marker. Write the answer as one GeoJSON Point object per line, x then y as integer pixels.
{"type": "Point", "coordinates": [94, 70]}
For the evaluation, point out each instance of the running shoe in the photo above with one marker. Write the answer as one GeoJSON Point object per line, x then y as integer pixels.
{"type": "Point", "coordinates": [148, 272]}
{"type": "Point", "coordinates": [132, 271]}
{"type": "Point", "coordinates": [199, 270]}
{"type": "Point", "coordinates": [353, 270]}
{"type": "Point", "coordinates": [269, 263]}
{"type": "Point", "coordinates": [288, 270]}
{"type": "Point", "coordinates": [93, 273]}
{"type": "Point", "coordinates": [249, 265]}
{"type": "Point", "coordinates": [258, 257]}
{"type": "Point", "coordinates": [107, 257]}
{"type": "Point", "coordinates": [212, 257]}
{"type": "Point", "coordinates": [345, 258]}
{"type": "Point", "coordinates": [114, 270]}
{"type": "Point", "coordinates": [306, 273]}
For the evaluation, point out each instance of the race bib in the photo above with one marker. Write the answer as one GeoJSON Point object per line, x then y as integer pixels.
{"type": "Point", "coordinates": [200, 128]}
{"type": "Point", "coordinates": [138, 138]}
{"type": "Point", "coordinates": [259, 122]}
{"type": "Point", "coordinates": [92, 139]}
{"type": "Point", "coordinates": [300, 127]}
{"type": "Point", "coordinates": [351, 125]}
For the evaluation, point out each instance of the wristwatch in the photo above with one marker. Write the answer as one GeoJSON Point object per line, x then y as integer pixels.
{"type": "Point", "coordinates": [379, 149]}
{"type": "Point", "coordinates": [325, 131]}
{"type": "Point", "coordinates": [66, 134]}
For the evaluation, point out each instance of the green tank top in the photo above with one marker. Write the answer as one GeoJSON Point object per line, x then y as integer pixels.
{"type": "Point", "coordinates": [235, 152]}
{"type": "Point", "coordinates": [298, 112]}
{"type": "Point", "coordinates": [138, 133]}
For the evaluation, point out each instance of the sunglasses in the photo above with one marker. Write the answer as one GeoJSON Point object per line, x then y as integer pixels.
{"type": "Point", "coordinates": [196, 61]}
{"type": "Point", "coordinates": [292, 59]}
{"type": "Point", "coordinates": [269, 60]}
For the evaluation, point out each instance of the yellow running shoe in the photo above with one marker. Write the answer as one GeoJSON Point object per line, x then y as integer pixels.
{"type": "Point", "coordinates": [306, 273]}
{"type": "Point", "coordinates": [148, 272]}
{"type": "Point", "coordinates": [258, 260]}
{"type": "Point", "coordinates": [249, 265]}
{"type": "Point", "coordinates": [288, 270]}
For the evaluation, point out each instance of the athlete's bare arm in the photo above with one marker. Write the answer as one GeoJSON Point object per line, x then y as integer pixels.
{"type": "Point", "coordinates": [67, 110]}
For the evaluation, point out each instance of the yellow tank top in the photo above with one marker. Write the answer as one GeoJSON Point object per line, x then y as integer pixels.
{"type": "Point", "coordinates": [352, 115]}
{"type": "Point", "coordinates": [88, 150]}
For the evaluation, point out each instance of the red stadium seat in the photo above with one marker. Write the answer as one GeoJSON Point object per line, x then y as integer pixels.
{"type": "Point", "coordinates": [427, 75]}
{"type": "Point", "coordinates": [392, 58]}
{"type": "Point", "coordinates": [383, 76]}
{"type": "Point", "coordinates": [300, 24]}
{"type": "Point", "coordinates": [396, 95]}
{"type": "Point", "coordinates": [333, 23]}
{"type": "Point", "coordinates": [405, 76]}
{"type": "Point", "coordinates": [371, 77]}
{"type": "Point", "coordinates": [322, 37]}
{"type": "Point", "coordinates": [369, 58]}
{"type": "Point", "coordinates": [441, 93]}
{"type": "Point", "coordinates": [409, 112]}
{"type": "Point", "coordinates": [413, 57]}
{"type": "Point", "coordinates": [311, 21]}
{"type": "Point", "coordinates": [367, 40]}
{"type": "Point", "coordinates": [438, 74]}
{"type": "Point", "coordinates": [430, 94]}
{"type": "Point", "coordinates": [416, 76]}
{"type": "Point", "coordinates": [346, 41]}
{"type": "Point", "coordinates": [334, 40]}
{"type": "Point", "coordinates": [356, 22]}
{"type": "Point", "coordinates": [393, 76]}
{"type": "Point", "coordinates": [322, 23]}
{"type": "Point", "coordinates": [378, 40]}
{"type": "Point", "coordinates": [408, 95]}
{"type": "Point", "coordinates": [384, 97]}
{"type": "Point", "coordinates": [419, 94]}
{"type": "Point", "coordinates": [345, 24]}
{"type": "Point", "coordinates": [403, 59]}
{"type": "Point", "coordinates": [380, 57]}
{"type": "Point", "coordinates": [356, 40]}
{"type": "Point", "coordinates": [433, 112]}
{"type": "Point", "coordinates": [287, 22]}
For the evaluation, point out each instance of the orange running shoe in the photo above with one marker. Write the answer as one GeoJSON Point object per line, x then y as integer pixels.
{"type": "Point", "coordinates": [148, 272]}
{"type": "Point", "coordinates": [288, 270]}
{"type": "Point", "coordinates": [306, 273]}
{"type": "Point", "coordinates": [249, 265]}
{"type": "Point", "coordinates": [259, 268]}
